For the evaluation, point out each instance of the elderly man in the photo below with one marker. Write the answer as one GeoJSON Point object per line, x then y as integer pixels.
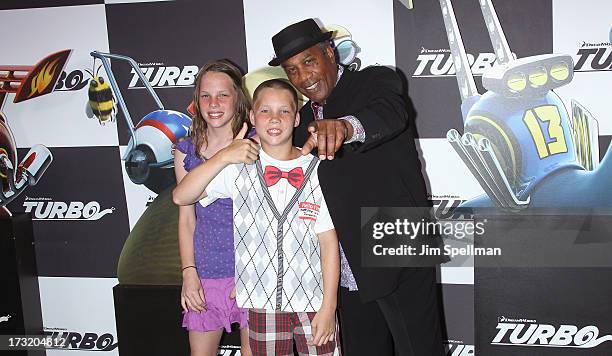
{"type": "Point", "coordinates": [358, 122]}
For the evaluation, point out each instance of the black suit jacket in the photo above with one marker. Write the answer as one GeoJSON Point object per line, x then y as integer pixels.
{"type": "Point", "coordinates": [382, 171]}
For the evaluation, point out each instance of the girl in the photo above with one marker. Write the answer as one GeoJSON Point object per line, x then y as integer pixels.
{"type": "Point", "coordinates": [205, 234]}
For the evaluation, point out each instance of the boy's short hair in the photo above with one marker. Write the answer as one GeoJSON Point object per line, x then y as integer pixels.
{"type": "Point", "coordinates": [277, 84]}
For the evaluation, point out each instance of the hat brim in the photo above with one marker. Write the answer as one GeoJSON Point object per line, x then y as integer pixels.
{"type": "Point", "coordinates": [281, 57]}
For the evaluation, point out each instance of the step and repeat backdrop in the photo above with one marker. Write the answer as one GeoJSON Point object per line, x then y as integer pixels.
{"type": "Point", "coordinates": [101, 206]}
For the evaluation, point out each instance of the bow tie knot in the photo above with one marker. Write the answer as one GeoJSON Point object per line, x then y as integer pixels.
{"type": "Point", "coordinates": [273, 174]}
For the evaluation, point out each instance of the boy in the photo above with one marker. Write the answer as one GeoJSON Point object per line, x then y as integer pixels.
{"type": "Point", "coordinates": [287, 259]}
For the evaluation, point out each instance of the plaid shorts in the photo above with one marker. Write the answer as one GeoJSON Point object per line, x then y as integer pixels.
{"type": "Point", "coordinates": [272, 333]}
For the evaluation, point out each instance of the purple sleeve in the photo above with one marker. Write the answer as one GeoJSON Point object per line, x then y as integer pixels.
{"type": "Point", "coordinates": [251, 132]}
{"type": "Point", "coordinates": [186, 146]}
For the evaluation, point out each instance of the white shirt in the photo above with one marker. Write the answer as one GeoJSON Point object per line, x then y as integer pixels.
{"type": "Point", "coordinates": [278, 264]}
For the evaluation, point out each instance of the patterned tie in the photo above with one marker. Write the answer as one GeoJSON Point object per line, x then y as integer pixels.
{"type": "Point", "coordinates": [295, 177]}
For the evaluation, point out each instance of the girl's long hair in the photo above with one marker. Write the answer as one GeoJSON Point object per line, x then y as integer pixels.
{"type": "Point", "coordinates": [241, 107]}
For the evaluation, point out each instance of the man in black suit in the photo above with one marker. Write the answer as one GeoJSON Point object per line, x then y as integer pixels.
{"type": "Point", "coordinates": [359, 124]}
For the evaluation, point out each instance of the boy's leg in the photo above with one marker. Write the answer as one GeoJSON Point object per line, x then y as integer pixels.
{"type": "Point", "coordinates": [270, 333]}
{"type": "Point", "coordinates": [303, 333]}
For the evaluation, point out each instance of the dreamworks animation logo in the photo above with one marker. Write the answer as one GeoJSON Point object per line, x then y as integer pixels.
{"type": "Point", "coordinates": [439, 63]}
{"type": "Point", "coordinates": [162, 76]}
{"type": "Point", "coordinates": [523, 332]}
{"type": "Point", "coordinates": [46, 209]}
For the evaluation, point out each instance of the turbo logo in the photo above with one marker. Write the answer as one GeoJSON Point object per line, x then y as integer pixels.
{"type": "Point", "coordinates": [546, 335]}
{"type": "Point", "coordinates": [45, 209]}
{"type": "Point", "coordinates": [86, 341]}
{"type": "Point", "coordinates": [160, 76]}
{"type": "Point", "coordinates": [593, 57]}
{"type": "Point", "coordinates": [460, 350]}
{"type": "Point", "coordinates": [229, 350]}
{"type": "Point", "coordinates": [445, 208]}
{"type": "Point", "coordinates": [439, 63]}
{"type": "Point", "coordinates": [75, 80]}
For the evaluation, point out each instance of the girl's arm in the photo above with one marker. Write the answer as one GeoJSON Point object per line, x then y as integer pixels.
{"type": "Point", "coordinates": [324, 323]}
{"type": "Point", "coordinates": [192, 187]}
{"type": "Point", "coordinates": [192, 295]}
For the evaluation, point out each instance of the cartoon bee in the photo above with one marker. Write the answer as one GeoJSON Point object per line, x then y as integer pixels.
{"type": "Point", "coordinates": [101, 102]}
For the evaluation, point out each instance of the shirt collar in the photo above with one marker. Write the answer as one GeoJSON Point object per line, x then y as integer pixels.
{"type": "Point", "coordinates": [340, 71]}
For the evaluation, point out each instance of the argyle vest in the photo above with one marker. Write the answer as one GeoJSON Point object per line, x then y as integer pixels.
{"type": "Point", "coordinates": [278, 265]}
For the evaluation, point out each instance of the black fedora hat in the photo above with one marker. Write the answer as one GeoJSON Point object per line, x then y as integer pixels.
{"type": "Point", "coordinates": [295, 38]}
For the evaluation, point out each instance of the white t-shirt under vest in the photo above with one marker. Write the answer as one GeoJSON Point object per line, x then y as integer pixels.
{"type": "Point", "coordinates": [278, 265]}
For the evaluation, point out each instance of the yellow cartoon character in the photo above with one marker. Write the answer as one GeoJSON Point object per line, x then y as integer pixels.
{"type": "Point", "coordinates": [101, 102]}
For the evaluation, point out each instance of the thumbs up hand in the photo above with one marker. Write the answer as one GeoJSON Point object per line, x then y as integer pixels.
{"type": "Point", "coordinates": [241, 150]}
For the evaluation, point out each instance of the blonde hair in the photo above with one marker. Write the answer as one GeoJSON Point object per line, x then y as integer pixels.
{"type": "Point", "coordinates": [242, 104]}
{"type": "Point", "coordinates": [280, 84]}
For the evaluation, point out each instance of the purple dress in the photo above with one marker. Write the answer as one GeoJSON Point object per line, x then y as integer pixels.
{"type": "Point", "coordinates": [213, 238]}
{"type": "Point", "coordinates": [213, 243]}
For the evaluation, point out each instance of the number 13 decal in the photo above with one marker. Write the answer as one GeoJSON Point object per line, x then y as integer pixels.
{"type": "Point", "coordinates": [550, 114]}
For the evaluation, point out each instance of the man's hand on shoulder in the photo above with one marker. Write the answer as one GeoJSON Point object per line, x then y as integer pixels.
{"type": "Point", "coordinates": [328, 135]}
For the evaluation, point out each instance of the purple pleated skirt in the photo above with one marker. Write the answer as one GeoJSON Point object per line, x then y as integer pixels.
{"type": "Point", "coordinates": [221, 311]}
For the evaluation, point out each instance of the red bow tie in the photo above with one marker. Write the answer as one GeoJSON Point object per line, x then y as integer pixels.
{"type": "Point", "coordinates": [295, 177]}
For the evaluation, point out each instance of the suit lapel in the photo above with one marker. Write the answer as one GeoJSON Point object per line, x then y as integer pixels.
{"type": "Point", "coordinates": [336, 103]}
